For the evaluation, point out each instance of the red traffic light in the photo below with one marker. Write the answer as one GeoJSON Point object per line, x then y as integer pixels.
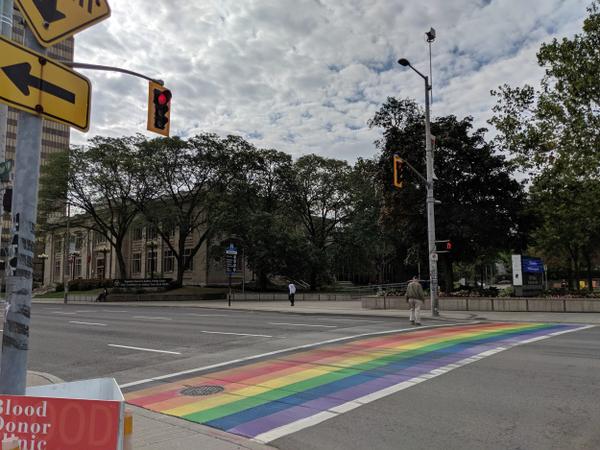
{"type": "Point", "coordinates": [448, 245]}
{"type": "Point", "coordinates": [162, 99]}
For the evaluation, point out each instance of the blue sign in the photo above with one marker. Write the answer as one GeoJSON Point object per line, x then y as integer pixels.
{"type": "Point", "coordinates": [532, 265]}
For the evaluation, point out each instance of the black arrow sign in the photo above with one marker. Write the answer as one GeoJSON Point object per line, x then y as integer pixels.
{"type": "Point", "coordinates": [48, 10]}
{"type": "Point", "coordinates": [20, 75]}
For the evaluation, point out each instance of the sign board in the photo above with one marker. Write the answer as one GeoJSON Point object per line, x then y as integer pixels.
{"type": "Point", "coordinates": [69, 416]}
{"type": "Point", "coordinates": [434, 256]}
{"type": "Point", "coordinates": [142, 283]}
{"type": "Point", "coordinates": [31, 82]}
{"type": "Point", "coordinates": [532, 265]}
{"type": "Point", "coordinates": [231, 259]}
{"type": "Point", "coordinates": [517, 272]}
{"type": "Point", "coordinates": [55, 20]}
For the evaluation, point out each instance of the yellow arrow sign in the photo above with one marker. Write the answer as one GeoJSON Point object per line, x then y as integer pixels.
{"type": "Point", "coordinates": [32, 82]}
{"type": "Point", "coordinates": [55, 20]}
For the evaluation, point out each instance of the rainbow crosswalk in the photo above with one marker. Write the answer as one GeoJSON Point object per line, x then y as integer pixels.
{"type": "Point", "coordinates": [269, 399]}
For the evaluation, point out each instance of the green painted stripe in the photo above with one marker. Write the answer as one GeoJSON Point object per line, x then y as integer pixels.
{"type": "Point", "coordinates": [343, 372]}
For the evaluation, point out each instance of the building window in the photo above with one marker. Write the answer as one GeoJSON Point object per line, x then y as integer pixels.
{"type": "Point", "coordinates": [136, 263]}
{"type": "Point", "coordinates": [57, 245]}
{"type": "Point", "coordinates": [99, 238]}
{"type": "Point", "coordinates": [77, 272]}
{"type": "Point", "coordinates": [137, 233]}
{"type": "Point", "coordinates": [57, 267]}
{"type": "Point", "coordinates": [151, 262]}
{"type": "Point", "coordinates": [186, 257]}
{"type": "Point", "coordinates": [168, 261]}
{"type": "Point", "coordinates": [151, 232]}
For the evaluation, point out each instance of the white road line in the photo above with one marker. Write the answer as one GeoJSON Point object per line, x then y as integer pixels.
{"type": "Point", "coordinates": [236, 334]}
{"type": "Point", "coordinates": [152, 318]}
{"type": "Point", "coordinates": [65, 313]}
{"type": "Point", "coordinates": [115, 310]}
{"type": "Point", "coordinates": [277, 352]}
{"type": "Point", "coordinates": [206, 315]}
{"type": "Point", "coordinates": [88, 311]}
{"type": "Point", "coordinates": [144, 349]}
{"type": "Point", "coordinates": [95, 324]}
{"type": "Point", "coordinates": [302, 325]}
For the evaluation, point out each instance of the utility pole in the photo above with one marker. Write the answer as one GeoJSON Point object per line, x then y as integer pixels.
{"type": "Point", "coordinates": [15, 343]}
{"type": "Point", "coordinates": [430, 201]}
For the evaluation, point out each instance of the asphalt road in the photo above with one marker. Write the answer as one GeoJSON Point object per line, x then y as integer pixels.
{"type": "Point", "coordinates": [542, 395]}
{"type": "Point", "coordinates": [133, 343]}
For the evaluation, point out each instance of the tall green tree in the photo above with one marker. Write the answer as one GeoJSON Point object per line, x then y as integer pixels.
{"type": "Point", "coordinates": [480, 208]}
{"type": "Point", "coordinates": [554, 134]}
{"type": "Point", "coordinates": [319, 193]}
{"type": "Point", "coordinates": [183, 181]}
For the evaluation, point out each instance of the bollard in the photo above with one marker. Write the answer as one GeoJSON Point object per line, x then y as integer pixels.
{"type": "Point", "coordinates": [128, 431]}
{"type": "Point", "coordinates": [11, 444]}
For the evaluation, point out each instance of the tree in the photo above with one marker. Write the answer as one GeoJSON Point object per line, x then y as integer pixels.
{"type": "Point", "coordinates": [481, 205]}
{"type": "Point", "coordinates": [96, 179]}
{"type": "Point", "coordinates": [319, 196]}
{"type": "Point", "coordinates": [183, 181]}
{"type": "Point", "coordinates": [554, 133]}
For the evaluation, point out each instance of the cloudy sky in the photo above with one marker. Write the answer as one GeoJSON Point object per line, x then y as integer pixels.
{"type": "Point", "coordinates": [305, 76]}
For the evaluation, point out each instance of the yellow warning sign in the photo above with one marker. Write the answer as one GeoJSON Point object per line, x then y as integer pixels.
{"type": "Point", "coordinates": [32, 82]}
{"type": "Point", "coordinates": [55, 20]}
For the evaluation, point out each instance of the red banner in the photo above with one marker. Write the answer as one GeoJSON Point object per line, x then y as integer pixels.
{"type": "Point", "coordinates": [42, 423]}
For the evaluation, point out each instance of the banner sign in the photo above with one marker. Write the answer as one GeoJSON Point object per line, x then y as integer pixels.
{"type": "Point", "coordinates": [44, 423]}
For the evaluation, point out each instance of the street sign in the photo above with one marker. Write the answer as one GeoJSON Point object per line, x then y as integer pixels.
{"type": "Point", "coordinates": [55, 20]}
{"type": "Point", "coordinates": [38, 85]}
{"type": "Point", "coordinates": [231, 260]}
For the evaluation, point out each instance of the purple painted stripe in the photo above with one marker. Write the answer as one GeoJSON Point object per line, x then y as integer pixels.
{"type": "Point", "coordinates": [261, 425]}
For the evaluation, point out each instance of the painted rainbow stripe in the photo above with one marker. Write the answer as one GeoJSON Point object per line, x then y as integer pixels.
{"type": "Point", "coordinates": [272, 398]}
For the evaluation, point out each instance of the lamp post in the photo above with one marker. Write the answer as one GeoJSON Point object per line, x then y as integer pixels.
{"type": "Point", "coordinates": [43, 257]}
{"type": "Point", "coordinates": [433, 277]}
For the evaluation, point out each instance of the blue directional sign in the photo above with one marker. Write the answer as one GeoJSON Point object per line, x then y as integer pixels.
{"type": "Point", "coordinates": [231, 260]}
{"type": "Point", "coordinates": [532, 265]}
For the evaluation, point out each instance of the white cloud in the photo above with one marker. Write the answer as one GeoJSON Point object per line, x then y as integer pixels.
{"type": "Point", "coordinates": [305, 76]}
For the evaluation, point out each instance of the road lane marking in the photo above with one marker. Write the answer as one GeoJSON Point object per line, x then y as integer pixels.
{"type": "Point", "coordinates": [236, 334]}
{"type": "Point", "coordinates": [66, 313]}
{"type": "Point", "coordinates": [95, 324]}
{"type": "Point", "coordinates": [142, 349]}
{"type": "Point", "coordinates": [207, 315]}
{"type": "Point", "coordinates": [302, 325]}
{"type": "Point", "coordinates": [152, 318]}
{"type": "Point", "coordinates": [278, 352]}
{"type": "Point", "coordinates": [115, 310]}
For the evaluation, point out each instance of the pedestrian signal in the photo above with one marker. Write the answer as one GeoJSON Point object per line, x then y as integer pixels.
{"type": "Point", "coordinates": [398, 172]}
{"type": "Point", "coordinates": [159, 109]}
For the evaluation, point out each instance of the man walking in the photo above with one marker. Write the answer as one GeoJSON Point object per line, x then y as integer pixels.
{"type": "Point", "coordinates": [415, 298]}
{"type": "Point", "coordinates": [292, 289]}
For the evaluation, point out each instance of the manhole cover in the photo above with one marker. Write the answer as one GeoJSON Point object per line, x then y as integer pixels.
{"type": "Point", "coordinates": [198, 391]}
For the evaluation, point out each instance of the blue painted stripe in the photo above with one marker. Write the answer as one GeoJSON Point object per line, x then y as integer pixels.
{"type": "Point", "coordinates": [296, 399]}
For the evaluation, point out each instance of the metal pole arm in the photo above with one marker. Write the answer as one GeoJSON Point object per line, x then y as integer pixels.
{"type": "Point", "coordinates": [77, 65]}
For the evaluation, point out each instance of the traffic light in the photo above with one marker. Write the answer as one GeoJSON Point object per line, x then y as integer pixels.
{"type": "Point", "coordinates": [159, 109]}
{"type": "Point", "coordinates": [398, 172]}
{"type": "Point", "coordinates": [444, 246]}
{"type": "Point", "coordinates": [449, 245]}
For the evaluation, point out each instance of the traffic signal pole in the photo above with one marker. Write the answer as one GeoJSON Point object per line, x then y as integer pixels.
{"type": "Point", "coordinates": [433, 273]}
{"type": "Point", "coordinates": [19, 274]}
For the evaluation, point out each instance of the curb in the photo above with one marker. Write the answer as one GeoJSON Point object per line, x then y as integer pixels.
{"type": "Point", "coordinates": [51, 379]}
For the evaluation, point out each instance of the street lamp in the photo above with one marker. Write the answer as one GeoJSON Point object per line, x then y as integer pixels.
{"type": "Point", "coordinates": [433, 277]}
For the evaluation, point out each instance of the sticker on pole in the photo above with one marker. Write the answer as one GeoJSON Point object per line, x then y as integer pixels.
{"type": "Point", "coordinates": [53, 21]}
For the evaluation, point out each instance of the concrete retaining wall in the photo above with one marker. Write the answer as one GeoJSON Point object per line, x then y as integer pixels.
{"type": "Point", "coordinates": [493, 304]}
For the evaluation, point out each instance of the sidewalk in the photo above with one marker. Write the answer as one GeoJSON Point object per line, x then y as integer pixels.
{"type": "Point", "coordinates": [354, 308]}
{"type": "Point", "coordinates": [152, 431]}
